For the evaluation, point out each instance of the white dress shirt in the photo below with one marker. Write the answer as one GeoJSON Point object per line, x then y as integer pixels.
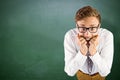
{"type": "Point", "coordinates": [102, 60]}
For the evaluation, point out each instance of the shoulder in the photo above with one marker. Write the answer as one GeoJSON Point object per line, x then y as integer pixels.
{"type": "Point", "coordinates": [105, 37]}
{"type": "Point", "coordinates": [71, 32]}
{"type": "Point", "coordinates": [105, 33]}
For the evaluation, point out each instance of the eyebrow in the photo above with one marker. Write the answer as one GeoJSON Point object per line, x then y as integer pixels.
{"type": "Point", "coordinates": [81, 25]}
{"type": "Point", "coordinates": [92, 25]}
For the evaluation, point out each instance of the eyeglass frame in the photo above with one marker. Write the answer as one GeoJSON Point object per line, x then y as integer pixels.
{"type": "Point", "coordinates": [88, 28]}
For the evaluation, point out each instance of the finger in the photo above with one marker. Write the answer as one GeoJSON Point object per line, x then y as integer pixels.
{"type": "Point", "coordinates": [79, 35]}
{"type": "Point", "coordinates": [91, 43]}
{"type": "Point", "coordinates": [95, 37]}
{"type": "Point", "coordinates": [80, 39]}
{"type": "Point", "coordinates": [94, 42]}
{"type": "Point", "coordinates": [83, 41]}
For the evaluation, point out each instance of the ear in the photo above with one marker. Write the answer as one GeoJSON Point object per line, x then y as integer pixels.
{"type": "Point", "coordinates": [76, 25]}
{"type": "Point", "coordinates": [99, 25]}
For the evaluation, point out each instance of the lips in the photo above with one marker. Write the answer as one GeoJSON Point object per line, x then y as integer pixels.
{"type": "Point", "coordinates": [87, 39]}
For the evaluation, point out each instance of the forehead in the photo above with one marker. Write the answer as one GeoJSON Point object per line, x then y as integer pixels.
{"type": "Point", "coordinates": [88, 21]}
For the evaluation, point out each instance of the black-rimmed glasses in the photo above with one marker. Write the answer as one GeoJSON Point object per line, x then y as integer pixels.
{"type": "Point", "coordinates": [90, 29]}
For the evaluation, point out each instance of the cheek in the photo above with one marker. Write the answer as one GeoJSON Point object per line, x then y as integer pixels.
{"type": "Point", "coordinates": [81, 34]}
{"type": "Point", "coordinates": [94, 34]}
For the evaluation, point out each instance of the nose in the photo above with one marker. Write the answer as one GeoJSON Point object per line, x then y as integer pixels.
{"type": "Point", "coordinates": [87, 33]}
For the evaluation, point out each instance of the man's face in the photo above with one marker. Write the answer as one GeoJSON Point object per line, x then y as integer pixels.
{"type": "Point", "coordinates": [88, 27]}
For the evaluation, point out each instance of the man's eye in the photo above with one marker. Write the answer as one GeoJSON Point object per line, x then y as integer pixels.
{"type": "Point", "coordinates": [83, 29]}
{"type": "Point", "coordinates": [92, 28]}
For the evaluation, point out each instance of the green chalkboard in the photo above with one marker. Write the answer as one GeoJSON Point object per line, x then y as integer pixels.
{"type": "Point", "coordinates": [32, 34]}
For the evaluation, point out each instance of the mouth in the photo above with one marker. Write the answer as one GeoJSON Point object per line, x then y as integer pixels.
{"type": "Point", "coordinates": [87, 39]}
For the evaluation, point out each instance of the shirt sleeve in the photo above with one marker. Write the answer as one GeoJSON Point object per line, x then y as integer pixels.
{"type": "Point", "coordinates": [104, 59]}
{"type": "Point", "coordinates": [74, 60]}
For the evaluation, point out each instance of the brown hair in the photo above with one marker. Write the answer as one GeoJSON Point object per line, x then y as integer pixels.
{"type": "Point", "coordinates": [87, 11]}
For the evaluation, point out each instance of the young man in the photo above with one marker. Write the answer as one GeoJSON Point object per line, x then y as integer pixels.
{"type": "Point", "coordinates": [88, 48]}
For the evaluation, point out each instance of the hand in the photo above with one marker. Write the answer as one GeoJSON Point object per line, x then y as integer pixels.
{"type": "Point", "coordinates": [82, 44]}
{"type": "Point", "coordinates": [93, 45]}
